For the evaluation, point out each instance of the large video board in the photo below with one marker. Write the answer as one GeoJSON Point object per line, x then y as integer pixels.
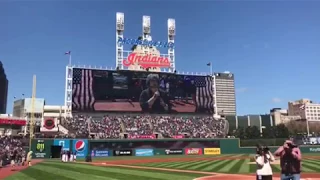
{"type": "Point", "coordinates": [120, 91]}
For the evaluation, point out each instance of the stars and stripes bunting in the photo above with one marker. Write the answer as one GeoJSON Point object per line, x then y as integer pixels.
{"type": "Point", "coordinates": [82, 91]}
{"type": "Point", "coordinates": [204, 92]}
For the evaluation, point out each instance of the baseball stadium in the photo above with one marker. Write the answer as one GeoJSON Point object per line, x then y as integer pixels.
{"type": "Point", "coordinates": [143, 120]}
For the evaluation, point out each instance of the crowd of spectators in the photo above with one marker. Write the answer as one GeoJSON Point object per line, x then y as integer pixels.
{"type": "Point", "coordinates": [10, 149]}
{"type": "Point", "coordinates": [195, 127]}
{"type": "Point", "coordinates": [78, 125]}
{"type": "Point", "coordinates": [112, 126]}
{"type": "Point", "coordinates": [137, 125]}
{"type": "Point", "coordinates": [107, 127]}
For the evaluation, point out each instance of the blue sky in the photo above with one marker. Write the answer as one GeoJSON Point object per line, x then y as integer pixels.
{"type": "Point", "coordinates": [273, 48]}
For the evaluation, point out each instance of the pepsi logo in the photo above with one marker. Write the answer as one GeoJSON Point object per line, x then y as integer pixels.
{"type": "Point", "coordinates": [80, 145]}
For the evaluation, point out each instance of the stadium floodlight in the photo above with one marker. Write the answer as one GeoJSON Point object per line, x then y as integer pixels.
{"type": "Point", "coordinates": [146, 25]}
{"type": "Point", "coordinates": [171, 27]}
{"type": "Point", "coordinates": [120, 21]}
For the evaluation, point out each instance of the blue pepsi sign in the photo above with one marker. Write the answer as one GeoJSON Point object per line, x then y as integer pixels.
{"type": "Point", "coordinates": [145, 42]}
{"type": "Point", "coordinates": [100, 153]}
{"type": "Point", "coordinates": [144, 152]}
{"type": "Point", "coordinates": [80, 146]}
{"type": "Point", "coordinates": [65, 143]}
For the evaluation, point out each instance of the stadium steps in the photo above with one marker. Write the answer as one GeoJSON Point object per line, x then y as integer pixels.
{"type": "Point", "coordinates": [123, 127]}
{"type": "Point", "coordinates": [63, 129]}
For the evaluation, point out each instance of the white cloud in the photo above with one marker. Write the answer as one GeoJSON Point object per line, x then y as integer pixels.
{"type": "Point", "coordinates": [240, 90]}
{"type": "Point", "coordinates": [276, 100]}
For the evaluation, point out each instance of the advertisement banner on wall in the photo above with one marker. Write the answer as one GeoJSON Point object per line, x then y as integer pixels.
{"type": "Point", "coordinates": [80, 146]}
{"type": "Point", "coordinates": [314, 150]}
{"type": "Point", "coordinates": [41, 148]}
{"type": "Point", "coordinates": [127, 152]}
{"type": "Point", "coordinates": [193, 151]}
{"type": "Point", "coordinates": [65, 143]}
{"type": "Point", "coordinates": [144, 152]}
{"type": "Point", "coordinates": [212, 151]}
{"type": "Point", "coordinates": [173, 151]}
{"type": "Point", "coordinates": [100, 153]}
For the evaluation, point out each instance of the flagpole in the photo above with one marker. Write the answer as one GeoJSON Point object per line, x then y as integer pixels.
{"type": "Point", "coordinates": [211, 68]}
{"type": "Point", "coordinates": [70, 59]}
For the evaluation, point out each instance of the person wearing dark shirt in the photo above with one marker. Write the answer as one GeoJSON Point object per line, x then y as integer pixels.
{"type": "Point", "coordinates": [153, 99]}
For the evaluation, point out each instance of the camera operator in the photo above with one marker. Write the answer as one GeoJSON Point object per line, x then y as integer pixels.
{"type": "Point", "coordinates": [290, 161]}
{"type": "Point", "coordinates": [263, 158]}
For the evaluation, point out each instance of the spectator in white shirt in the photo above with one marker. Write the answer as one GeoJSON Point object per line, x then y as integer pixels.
{"type": "Point", "coordinates": [263, 159]}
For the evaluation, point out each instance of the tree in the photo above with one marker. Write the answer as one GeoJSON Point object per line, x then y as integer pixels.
{"type": "Point", "coordinates": [296, 127]}
{"type": "Point", "coordinates": [239, 133]}
{"type": "Point", "coordinates": [252, 132]}
{"type": "Point", "coordinates": [269, 132]}
{"type": "Point", "coordinates": [281, 131]}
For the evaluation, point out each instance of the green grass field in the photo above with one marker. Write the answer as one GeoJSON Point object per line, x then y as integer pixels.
{"type": "Point", "coordinates": [231, 166]}
{"type": "Point", "coordinates": [54, 170]}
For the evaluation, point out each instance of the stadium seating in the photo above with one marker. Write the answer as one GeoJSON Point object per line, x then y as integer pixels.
{"type": "Point", "coordinates": [8, 145]}
{"type": "Point", "coordinates": [114, 126]}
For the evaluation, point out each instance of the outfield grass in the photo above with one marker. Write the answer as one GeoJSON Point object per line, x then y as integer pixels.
{"type": "Point", "coordinates": [54, 169]}
{"type": "Point", "coordinates": [232, 166]}
{"type": "Point", "coordinates": [51, 170]}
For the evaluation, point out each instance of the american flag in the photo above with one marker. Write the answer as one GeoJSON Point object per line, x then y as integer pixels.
{"type": "Point", "coordinates": [204, 92]}
{"type": "Point", "coordinates": [82, 92]}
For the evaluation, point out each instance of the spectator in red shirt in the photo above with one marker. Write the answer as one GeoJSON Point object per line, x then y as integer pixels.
{"type": "Point", "coordinates": [290, 161]}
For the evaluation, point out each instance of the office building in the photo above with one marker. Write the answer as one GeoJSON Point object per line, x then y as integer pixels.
{"type": "Point", "coordinates": [281, 116]}
{"type": "Point", "coordinates": [225, 93]}
{"type": "Point", "coordinates": [23, 108]}
{"type": "Point", "coordinates": [261, 121]}
{"type": "Point", "coordinates": [304, 108]}
{"type": "Point", "coordinates": [3, 90]}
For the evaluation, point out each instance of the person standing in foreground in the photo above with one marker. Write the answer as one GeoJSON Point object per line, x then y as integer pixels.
{"type": "Point", "coordinates": [290, 161]}
{"type": "Point", "coordinates": [263, 158]}
{"type": "Point", "coordinates": [29, 158]}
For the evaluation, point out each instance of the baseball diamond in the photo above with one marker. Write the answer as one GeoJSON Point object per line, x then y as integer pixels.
{"type": "Point", "coordinates": [155, 168]}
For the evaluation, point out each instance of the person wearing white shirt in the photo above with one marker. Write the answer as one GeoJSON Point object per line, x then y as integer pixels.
{"type": "Point", "coordinates": [263, 159]}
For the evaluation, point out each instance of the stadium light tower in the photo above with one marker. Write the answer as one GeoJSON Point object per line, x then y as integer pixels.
{"type": "Point", "coordinates": [171, 36]}
{"type": "Point", "coordinates": [119, 34]}
{"type": "Point", "coordinates": [146, 31]}
{"type": "Point", "coordinates": [31, 122]}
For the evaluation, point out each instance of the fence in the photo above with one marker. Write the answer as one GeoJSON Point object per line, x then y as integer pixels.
{"type": "Point", "coordinates": [147, 147]}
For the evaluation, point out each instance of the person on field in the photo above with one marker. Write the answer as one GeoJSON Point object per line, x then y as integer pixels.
{"type": "Point", "coordinates": [71, 157]}
{"type": "Point", "coordinates": [263, 158]}
{"type": "Point", "coordinates": [290, 160]}
{"type": "Point", "coordinates": [29, 158]}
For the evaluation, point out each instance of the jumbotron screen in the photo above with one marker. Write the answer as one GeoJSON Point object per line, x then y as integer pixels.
{"type": "Point", "coordinates": [127, 91]}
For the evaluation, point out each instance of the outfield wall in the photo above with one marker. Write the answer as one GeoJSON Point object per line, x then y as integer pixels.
{"type": "Point", "coordinates": [147, 147]}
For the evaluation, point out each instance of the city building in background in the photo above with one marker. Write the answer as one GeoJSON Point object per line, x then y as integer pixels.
{"type": "Point", "coordinates": [305, 108]}
{"type": "Point", "coordinates": [261, 121]}
{"type": "Point", "coordinates": [23, 108]}
{"type": "Point", "coordinates": [225, 93]}
{"type": "Point", "coordinates": [51, 111]}
{"type": "Point", "coordinates": [281, 116]}
{"type": "Point", "coordinates": [3, 90]}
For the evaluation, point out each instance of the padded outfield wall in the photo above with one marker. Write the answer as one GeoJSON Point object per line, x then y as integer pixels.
{"type": "Point", "coordinates": [147, 147]}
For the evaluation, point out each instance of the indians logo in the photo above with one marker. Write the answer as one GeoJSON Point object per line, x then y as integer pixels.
{"type": "Point", "coordinates": [79, 145]}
